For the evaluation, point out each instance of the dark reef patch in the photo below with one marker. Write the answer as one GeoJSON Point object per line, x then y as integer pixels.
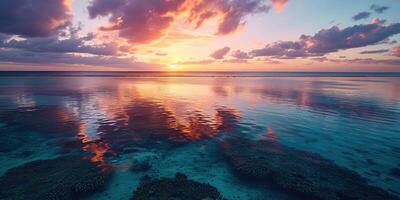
{"type": "Point", "coordinates": [175, 188]}
{"type": "Point", "coordinates": [301, 173]}
{"type": "Point", "coordinates": [140, 166]}
{"type": "Point", "coordinates": [68, 177]}
{"type": "Point", "coordinates": [395, 172]}
{"type": "Point", "coordinates": [42, 119]}
{"type": "Point", "coordinates": [12, 141]}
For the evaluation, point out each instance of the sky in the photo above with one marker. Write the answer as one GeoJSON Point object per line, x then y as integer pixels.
{"type": "Point", "coordinates": [200, 35]}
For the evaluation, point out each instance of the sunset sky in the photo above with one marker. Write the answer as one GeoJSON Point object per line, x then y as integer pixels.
{"type": "Point", "coordinates": [200, 35]}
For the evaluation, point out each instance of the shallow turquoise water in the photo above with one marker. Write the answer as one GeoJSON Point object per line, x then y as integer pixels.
{"type": "Point", "coordinates": [178, 124]}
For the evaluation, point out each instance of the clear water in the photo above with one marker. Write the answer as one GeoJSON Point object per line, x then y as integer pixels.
{"type": "Point", "coordinates": [177, 123]}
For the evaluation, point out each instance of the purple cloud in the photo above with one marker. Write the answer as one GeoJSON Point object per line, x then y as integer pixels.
{"type": "Point", "coordinates": [361, 15]}
{"type": "Point", "coordinates": [56, 45]}
{"type": "Point", "coordinates": [220, 53]}
{"type": "Point", "coordinates": [57, 59]}
{"type": "Point", "coordinates": [396, 51]}
{"type": "Point", "coordinates": [329, 40]}
{"type": "Point", "coordinates": [240, 55]}
{"type": "Point", "coordinates": [379, 9]}
{"type": "Point", "coordinates": [33, 18]}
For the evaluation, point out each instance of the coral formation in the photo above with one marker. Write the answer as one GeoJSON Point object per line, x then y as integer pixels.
{"type": "Point", "coordinates": [57, 121]}
{"type": "Point", "coordinates": [68, 177]}
{"type": "Point", "coordinates": [395, 172]}
{"type": "Point", "coordinates": [176, 188]}
{"type": "Point", "coordinates": [140, 166]}
{"type": "Point", "coordinates": [301, 173]}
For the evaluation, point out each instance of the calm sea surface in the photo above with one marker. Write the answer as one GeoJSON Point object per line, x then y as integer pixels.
{"type": "Point", "coordinates": [230, 130]}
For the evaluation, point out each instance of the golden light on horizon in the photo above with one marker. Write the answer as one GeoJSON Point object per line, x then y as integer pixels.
{"type": "Point", "coordinates": [172, 66]}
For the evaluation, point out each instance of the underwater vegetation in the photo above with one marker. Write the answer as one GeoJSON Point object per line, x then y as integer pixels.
{"type": "Point", "coordinates": [301, 173]}
{"type": "Point", "coordinates": [175, 188]}
{"type": "Point", "coordinates": [68, 177]}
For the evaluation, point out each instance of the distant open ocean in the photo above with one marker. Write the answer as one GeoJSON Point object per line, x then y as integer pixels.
{"type": "Point", "coordinates": [200, 74]}
{"type": "Point", "coordinates": [235, 135]}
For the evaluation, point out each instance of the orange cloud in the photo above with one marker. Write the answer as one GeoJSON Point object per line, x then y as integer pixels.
{"type": "Point", "coordinates": [142, 22]}
{"type": "Point", "coordinates": [279, 4]}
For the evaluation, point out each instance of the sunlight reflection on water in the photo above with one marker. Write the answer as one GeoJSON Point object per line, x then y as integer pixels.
{"type": "Point", "coordinates": [352, 121]}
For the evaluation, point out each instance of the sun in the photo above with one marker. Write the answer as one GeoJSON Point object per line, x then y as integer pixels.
{"type": "Point", "coordinates": [172, 66]}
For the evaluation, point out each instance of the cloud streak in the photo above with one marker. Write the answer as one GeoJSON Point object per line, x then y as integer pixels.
{"type": "Point", "coordinates": [56, 45]}
{"type": "Point", "coordinates": [375, 51]}
{"type": "Point", "coordinates": [361, 15]}
{"type": "Point", "coordinates": [56, 59]}
{"type": "Point", "coordinates": [378, 8]}
{"type": "Point", "coordinates": [365, 61]}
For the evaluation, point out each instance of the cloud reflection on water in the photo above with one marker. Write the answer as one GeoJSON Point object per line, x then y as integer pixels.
{"type": "Point", "coordinates": [114, 116]}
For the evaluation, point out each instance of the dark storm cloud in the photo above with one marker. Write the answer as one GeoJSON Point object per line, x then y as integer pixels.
{"type": "Point", "coordinates": [329, 40]}
{"type": "Point", "coordinates": [361, 15]}
{"type": "Point", "coordinates": [220, 53]}
{"type": "Point", "coordinates": [33, 18]}
{"type": "Point", "coordinates": [145, 21]}
{"type": "Point", "coordinates": [379, 9]}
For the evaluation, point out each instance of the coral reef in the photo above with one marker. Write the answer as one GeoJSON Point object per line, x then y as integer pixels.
{"type": "Point", "coordinates": [395, 172]}
{"type": "Point", "coordinates": [301, 173]}
{"type": "Point", "coordinates": [140, 166]}
{"type": "Point", "coordinates": [68, 177]}
{"type": "Point", "coordinates": [177, 188]}
{"type": "Point", "coordinates": [57, 120]}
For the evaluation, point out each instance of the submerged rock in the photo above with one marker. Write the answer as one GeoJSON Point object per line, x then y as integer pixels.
{"type": "Point", "coordinates": [301, 173]}
{"type": "Point", "coordinates": [67, 178]}
{"type": "Point", "coordinates": [176, 188]}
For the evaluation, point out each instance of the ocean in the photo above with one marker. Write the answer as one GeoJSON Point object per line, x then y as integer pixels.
{"type": "Point", "coordinates": [235, 135]}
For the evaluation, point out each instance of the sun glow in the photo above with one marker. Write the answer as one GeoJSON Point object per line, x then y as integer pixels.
{"type": "Point", "coordinates": [172, 66]}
